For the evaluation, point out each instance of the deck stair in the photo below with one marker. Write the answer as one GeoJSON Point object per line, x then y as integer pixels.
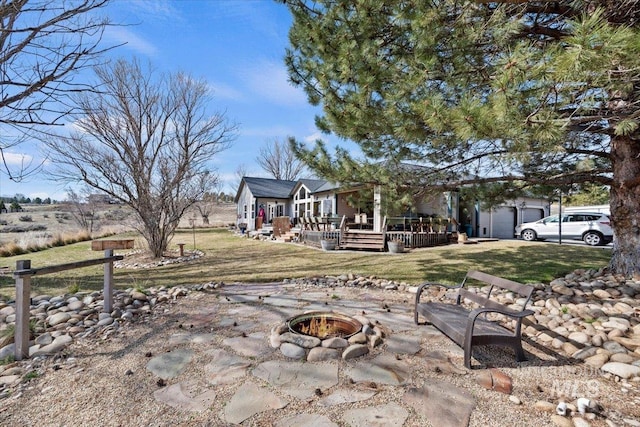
{"type": "Point", "coordinates": [289, 236]}
{"type": "Point", "coordinates": [362, 239]}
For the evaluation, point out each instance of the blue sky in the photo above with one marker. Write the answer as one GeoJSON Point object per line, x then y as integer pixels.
{"type": "Point", "coordinates": [238, 47]}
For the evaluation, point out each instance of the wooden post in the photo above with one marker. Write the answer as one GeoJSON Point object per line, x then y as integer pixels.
{"type": "Point", "coordinates": [181, 246]}
{"type": "Point", "coordinates": [108, 283]}
{"type": "Point", "coordinates": [23, 305]}
{"type": "Point", "coordinates": [108, 246]}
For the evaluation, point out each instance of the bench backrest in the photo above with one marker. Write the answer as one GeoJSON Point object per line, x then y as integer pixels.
{"type": "Point", "coordinates": [525, 291]}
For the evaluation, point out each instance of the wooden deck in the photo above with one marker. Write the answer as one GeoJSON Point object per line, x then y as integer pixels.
{"type": "Point", "coordinates": [362, 239]}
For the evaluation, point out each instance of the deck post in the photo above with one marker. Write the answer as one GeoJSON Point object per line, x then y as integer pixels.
{"type": "Point", "coordinates": [377, 209]}
{"type": "Point", "coordinates": [23, 303]}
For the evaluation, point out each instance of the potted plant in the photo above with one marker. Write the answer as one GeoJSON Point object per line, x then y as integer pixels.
{"type": "Point", "coordinates": [328, 244]}
{"type": "Point", "coordinates": [395, 246]}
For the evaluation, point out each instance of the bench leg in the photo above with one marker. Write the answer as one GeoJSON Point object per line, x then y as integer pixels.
{"type": "Point", "coordinates": [520, 357]}
{"type": "Point", "coordinates": [467, 357]}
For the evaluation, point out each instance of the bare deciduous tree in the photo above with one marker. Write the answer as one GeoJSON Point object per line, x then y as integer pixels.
{"type": "Point", "coordinates": [146, 141]}
{"type": "Point", "coordinates": [205, 206]}
{"type": "Point", "coordinates": [43, 45]}
{"type": "Point", "coordinates": [279, 160]}
{"type": "Point", "coordinates": [240, 172]}
{"type": "Point", "coordinates": [83, 210]}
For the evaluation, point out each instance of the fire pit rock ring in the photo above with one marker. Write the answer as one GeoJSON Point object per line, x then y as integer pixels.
{"type": "Point", "coordinates": [325, 335]}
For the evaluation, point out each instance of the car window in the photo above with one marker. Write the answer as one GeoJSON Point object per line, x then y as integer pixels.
{"type": "Point", "coordinates": [553, 218]}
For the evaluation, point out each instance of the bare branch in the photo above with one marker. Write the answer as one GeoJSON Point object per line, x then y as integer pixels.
{"type": "Point", "coordinates": [44, 44]}
{"type": "Point", "coordinates": [279, 160]}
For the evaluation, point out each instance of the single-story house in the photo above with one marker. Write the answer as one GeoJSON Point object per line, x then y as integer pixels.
{"type": "Point", "coordinates": [321, 198]}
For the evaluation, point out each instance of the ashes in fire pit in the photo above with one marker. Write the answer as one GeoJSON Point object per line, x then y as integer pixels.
{"type": "Point", "coordinates": [324, 325]}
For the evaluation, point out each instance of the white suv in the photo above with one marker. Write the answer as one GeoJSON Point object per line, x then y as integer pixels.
{"type": "Point", "coordinates": [592, 227]}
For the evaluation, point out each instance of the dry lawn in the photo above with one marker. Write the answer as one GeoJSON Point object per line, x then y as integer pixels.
{"type": "Point", "coordinates": [231, 258]}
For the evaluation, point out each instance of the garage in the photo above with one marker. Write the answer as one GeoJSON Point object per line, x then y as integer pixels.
{"type": "Point", "coordinates": [499, 223]}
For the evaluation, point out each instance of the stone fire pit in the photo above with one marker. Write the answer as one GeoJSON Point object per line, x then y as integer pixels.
{"type": "Point", "coordinates": [325, 335]}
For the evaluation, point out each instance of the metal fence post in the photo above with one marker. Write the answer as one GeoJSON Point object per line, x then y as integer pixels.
{"type": "Point", "coordinates": [23, 305]}
{"type": "Point", "coordinates": [108, 282]}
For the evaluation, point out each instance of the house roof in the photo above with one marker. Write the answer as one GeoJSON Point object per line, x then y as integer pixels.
{"type": "Point", "coordinates": [317, 185]}
{"type": "Point", "coordinates": [267, 187]}
{"type": "Point", "coordinates": [282, 189]}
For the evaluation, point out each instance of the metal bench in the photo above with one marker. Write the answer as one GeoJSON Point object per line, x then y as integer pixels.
{"type": "Point", "coordinates": [465, 327]}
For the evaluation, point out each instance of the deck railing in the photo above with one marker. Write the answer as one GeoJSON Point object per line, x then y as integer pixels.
{"type": "Point", "coordinates": [418, 239]}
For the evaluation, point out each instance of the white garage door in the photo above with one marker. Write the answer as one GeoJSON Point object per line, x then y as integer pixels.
{"type": "Point", "coordinates": [504, 223]}
{"type": "Point", "coordinates": [532, 214]}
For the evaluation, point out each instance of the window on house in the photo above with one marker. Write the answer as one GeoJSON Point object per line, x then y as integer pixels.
{"type": "Point", "coordinates": [245, 211]}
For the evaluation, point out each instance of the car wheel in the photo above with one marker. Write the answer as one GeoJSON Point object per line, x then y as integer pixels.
{"type": "Point", "coordinates": [593, 238]}
{"type": "Point", "coordinates": [528, 235]}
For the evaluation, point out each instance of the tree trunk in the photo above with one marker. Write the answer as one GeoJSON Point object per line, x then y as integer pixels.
{"type": "Point", "coordinates": [156, 238]}
{"type": "Point", "coordinates": [625, 206]}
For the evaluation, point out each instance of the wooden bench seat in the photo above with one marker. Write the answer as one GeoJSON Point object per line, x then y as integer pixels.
{"type": "Point", "coordinates": [465, 326]}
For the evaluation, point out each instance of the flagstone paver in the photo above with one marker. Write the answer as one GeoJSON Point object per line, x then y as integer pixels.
{"type": "Point", "coordinates": [251, 399]}
{"type": "Point", "coordinates": [306, 420]}
{"type": "Point", "coordinates": [225, 367]}
{"type": "Point", "coordinates": [390, 415]}
{"type": "Point", "coordinates": [253, 345]}
{"type": "Point", "coordinates": [384, 369]}
{"type": "Point", "coordinates": [442, 403]}
{"type": "Point", "coordinates": [344, 395]}
{"type": "Point", "coordinates": [298, 379]}
{"type": "Point", "coordinates": [186, 338]}
{"type": "Point", "coordinates": [170, 364]}
{"type": "Point", "coordinates": [403, 343]}
{"type": "Point", "coordinates": [187, 396]}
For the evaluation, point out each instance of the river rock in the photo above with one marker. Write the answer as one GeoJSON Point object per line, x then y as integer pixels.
{"type": "Point", "coordinates": [623, 370]}
{"type": "Point", "coordinates": [318, 354]}
{"type": "Point", "coordinates": [58, 318]}
{"type": "Point", "coordinates": [335, 342]}
{"type": "Point", "coordinates": [630, 343]}
{"type": "Point", "coordinates": [355, 350]}
{"type": "Point", "coordinates": [292, 351]}
{"type": "Point", "coordinates": [304, 341]}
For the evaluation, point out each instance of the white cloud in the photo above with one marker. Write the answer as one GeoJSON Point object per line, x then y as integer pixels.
{"type": "Point", "coordinates": [311, 139]}
{"type": "Point", "coordinates": [17, 159]}
{"type": "Point", "coordinates": [269, 80]}
{"type": "Point", "coordinates": [224, 91]}
{"type": "Point", "coordinates": [155, 10]}
{"type": "Point", "coordinates": [134, 42]}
